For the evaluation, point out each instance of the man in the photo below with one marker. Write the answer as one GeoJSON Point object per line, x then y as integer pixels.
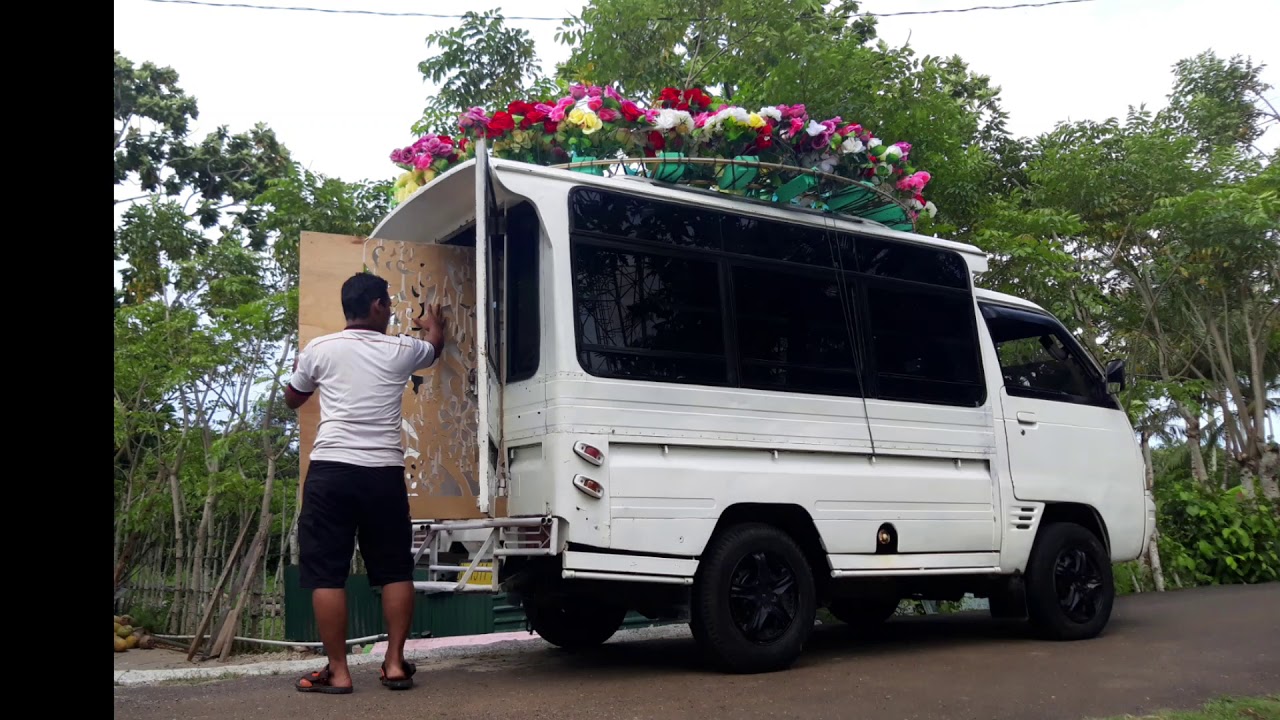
{"type": "Point", "coordinates": [355, 482]}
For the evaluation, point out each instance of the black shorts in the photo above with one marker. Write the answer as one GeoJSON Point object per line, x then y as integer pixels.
{"type": "Point", "coordinates": [341, 501]}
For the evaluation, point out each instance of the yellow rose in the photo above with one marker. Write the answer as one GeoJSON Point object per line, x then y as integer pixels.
{"type": "Point", "coordinates": [578, 116]}
{"type": "Point", "coordinates": [428, 176]}
{"type": "Point", "coordinates": [754, 120]}
{"type": "Point", "coordinates": [591, 123]}
{"type": "Point", "coordinates": [405, 179]}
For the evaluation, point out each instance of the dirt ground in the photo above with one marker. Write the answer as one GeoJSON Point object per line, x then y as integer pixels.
{"type": "Point", "coordinates": [1171, 650]}
{"type": "Point", "coordinates": [167, 659]}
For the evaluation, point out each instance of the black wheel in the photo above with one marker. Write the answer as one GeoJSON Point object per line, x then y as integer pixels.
{"type": "Point", "coordinates": [754, 600]}
{"type": "Point", "coordinates": [1070, 589]}
{"type": "Point", "coordinates": [574, 624]}
{"type": "Point", "coordinates": [863, 612]}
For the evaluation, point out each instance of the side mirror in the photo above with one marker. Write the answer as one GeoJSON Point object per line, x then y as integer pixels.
{"type": "Point", "coordinates": [1115, 376]}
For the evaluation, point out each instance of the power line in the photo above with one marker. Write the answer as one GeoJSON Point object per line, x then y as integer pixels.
{"type": "Point", "coordinates": [445, 16]}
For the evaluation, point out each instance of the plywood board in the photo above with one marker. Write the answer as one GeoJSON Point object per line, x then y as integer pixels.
{"type": "Point", "coordinates": [439, 420]}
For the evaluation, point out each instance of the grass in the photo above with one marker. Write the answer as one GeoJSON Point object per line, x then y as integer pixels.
{"type": "Point", "coordinates": [1259, 708]}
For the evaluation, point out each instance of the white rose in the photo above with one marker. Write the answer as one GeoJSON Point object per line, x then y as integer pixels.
{"type": "Point", "coordinates": [772, 113]}
{"type": "Point", "coordinates": [893, 152]}
{"type": "Point", "coordinates": [930, 209]}
{"type": "Point", "coordinates": [815, 128]}
{"type": "Point", "coordinates": [851, 145]}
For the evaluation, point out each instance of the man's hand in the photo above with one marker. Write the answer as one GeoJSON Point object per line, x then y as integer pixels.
{"type": "Point", "coordinates": [431, 325]}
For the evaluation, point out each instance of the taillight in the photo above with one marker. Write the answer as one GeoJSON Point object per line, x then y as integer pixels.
{"type": "Point", "coordinates": [588, 486]}
{"type": "Point", "coordinates": [590, 453]}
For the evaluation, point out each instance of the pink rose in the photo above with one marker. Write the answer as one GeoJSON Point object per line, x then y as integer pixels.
{"type": "Point", "coordinates": [595, 104]}
{"type": "Point", "coordinates": [609, 115]}
{"type": "Point", "coordinates": [578, 91]}
{"type": "Point", "coordinates": [594, 91]}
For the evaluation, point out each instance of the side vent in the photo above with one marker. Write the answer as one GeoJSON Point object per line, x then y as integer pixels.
{"type": "Point", "coordinates": [1023, 517]}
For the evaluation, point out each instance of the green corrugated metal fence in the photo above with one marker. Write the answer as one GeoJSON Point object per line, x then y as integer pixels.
{"type": "Point", "coordinates": [438, 615]}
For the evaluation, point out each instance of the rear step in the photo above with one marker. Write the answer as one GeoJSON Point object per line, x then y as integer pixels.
{"type": "Point", "coordinates": [506, 537]}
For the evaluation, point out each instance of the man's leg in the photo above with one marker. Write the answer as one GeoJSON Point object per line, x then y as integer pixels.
{"type": "Point", "coordinates": [386, 543]}
{"type": "Point", "coordinates": [331, 618]}
{"type": "Point", "coordinates": [397, 613]}
{"type": "Point", "coordinates": [326, 540]}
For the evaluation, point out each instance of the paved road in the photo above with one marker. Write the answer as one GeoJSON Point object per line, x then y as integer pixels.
{"type": "Point", "coordinates": [1177, 650]}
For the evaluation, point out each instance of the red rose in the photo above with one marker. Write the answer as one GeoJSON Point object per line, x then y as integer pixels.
{"type": "Point", "coordinates": [764, 142]}
{"type": "Point", "coordinates": [669, 95]}
{"type": "Point", "coordinates": [631, 111]}
{"type": "Point", "coordinates": [519, 107]}
{"type": "Point", "coordinates": [500, 123]}
{"type": "Point", "coordinates": [594, 104]}
{"type": "Point", "coordinates": [656, 141]}
{"type": "Point", "coordinates": [682, 106]}
{"type": "Point", "coordinates": [550, 126]}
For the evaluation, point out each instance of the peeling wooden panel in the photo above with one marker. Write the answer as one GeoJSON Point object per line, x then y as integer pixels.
{"type": "Point", "coordinates": [439, 420]}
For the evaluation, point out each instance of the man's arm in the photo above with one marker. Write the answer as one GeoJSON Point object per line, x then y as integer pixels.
{"type": "Point", "coordinates": [302, 384]}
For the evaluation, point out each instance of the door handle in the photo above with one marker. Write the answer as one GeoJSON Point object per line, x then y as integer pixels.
{"type": "Point", "coordinates": [1026, 418]}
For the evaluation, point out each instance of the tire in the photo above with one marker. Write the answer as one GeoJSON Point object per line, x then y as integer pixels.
{"type": "Point", "coordinates": [743, 624]}
{"type": "Point", "coordinates": [574, 624]}
{"type": "Point", "coordinates": [863, 612]}
{"type": "Point", "coordinates": [1070, 587]}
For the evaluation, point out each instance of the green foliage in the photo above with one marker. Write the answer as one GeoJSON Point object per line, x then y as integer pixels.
{"type": "Point", "coordinates": [482, 62]}
{"type": "Point", "coordinates": [1214, 536]}
{"type": "Point", "coordinates": [645, 45]}
{"type": "Point", "coordinates": [1234, 708]}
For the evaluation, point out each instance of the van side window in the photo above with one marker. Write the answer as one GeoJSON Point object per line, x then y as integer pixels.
{"type": "Point", "coordinates": [1039, 360]}
{"type": "Point", "coordinates": [648, 315]}
{"type": "Point", "coordinates": [924, 345]}
{"type": "Point", "coordinates": [794, 331]}
{"type": "Point", "coordinates": [524, 333]}
{"type": "Point", "coordinates": [675, 292]}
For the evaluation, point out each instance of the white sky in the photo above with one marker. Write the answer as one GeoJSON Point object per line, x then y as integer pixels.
{"type": "Point", "coordinates": [342, 90]}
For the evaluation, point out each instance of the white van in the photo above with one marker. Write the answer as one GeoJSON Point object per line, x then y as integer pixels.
{"type": "Point", "coordinates": [734, 413]}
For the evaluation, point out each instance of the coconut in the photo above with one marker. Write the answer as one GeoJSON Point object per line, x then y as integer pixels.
{"type": "Point", "coordinates": [125, 630]}
{"type": "Point", "coordinates": [131, 642]}
{"type": "Point", "coordinates": [121, 644]}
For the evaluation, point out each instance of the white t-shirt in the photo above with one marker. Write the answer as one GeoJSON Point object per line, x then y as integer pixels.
{"type": "Point", "coordinates": [361, 376]}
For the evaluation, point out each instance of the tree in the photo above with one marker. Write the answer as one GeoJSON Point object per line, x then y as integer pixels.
{"type": "Point", "coordinates": [479, 62]}
{"type": "Point", "coordinates": [755, 52]}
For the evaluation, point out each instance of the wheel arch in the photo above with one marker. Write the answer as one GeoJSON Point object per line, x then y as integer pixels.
{"type": "Point", "coordinates": [791, 519]}
{"type": "Point", "coordinates": [1080, 514]}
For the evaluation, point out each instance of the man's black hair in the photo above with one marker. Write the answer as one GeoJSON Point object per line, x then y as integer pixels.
{"type": "Point", "coordinates": [359, 292]}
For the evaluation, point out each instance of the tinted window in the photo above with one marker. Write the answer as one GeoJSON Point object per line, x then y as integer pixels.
{"type": "Point", "coordinates": [522, 279]}
{"type": "Point", "coordinates": [1037, 360]}
{"type": "Point", "coordinates": [923, 345]}
{"type": "Point", "coordinates": [784, 241]}
{"type": "Point", "coordinates": [903, 261]}
{"type": "Point", "coordinates": [794, 332]}
{"type": "Point", "coordinates": [648, 315]}
{"type": "Point", "coordinates": [632, 218]}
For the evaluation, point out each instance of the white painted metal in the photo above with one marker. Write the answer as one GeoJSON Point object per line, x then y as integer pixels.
{"type": "Point", "coordinates": [483, 390]}
{"type": "Point", "coordinates": [634, 564]}
{"type": "Point", "coordinates": [623, 577]}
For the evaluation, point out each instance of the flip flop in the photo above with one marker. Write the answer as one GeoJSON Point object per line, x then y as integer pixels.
{"type": "Point", "coordinates": [403, 683]}
{"type": "Point", "coordinates": [318, 682]}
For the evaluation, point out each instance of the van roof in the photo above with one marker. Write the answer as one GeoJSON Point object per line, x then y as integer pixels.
{"type": "Point", "coordinates": [446, 205]}
{"type": "Point", "coordinates": [999, 297]}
